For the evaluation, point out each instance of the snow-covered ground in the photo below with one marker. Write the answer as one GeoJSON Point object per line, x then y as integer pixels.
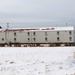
{"type": "Point", "coordinates": [37, 61]}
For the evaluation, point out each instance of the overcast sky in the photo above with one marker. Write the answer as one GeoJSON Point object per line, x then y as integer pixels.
{"type": "Point", "coordinates": [37, 11]}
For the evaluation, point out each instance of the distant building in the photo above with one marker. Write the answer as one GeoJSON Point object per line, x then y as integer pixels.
{"type": "Point", "coordinates": [50, 35]}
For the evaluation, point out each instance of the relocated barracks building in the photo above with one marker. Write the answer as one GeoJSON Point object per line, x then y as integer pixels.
{"type": "Point", "coordinates": [50, 36]}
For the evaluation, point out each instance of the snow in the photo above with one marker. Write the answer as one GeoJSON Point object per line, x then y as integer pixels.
{"type": "Point", "coordinates": [41, 29]}
{"type": "Point", "coordinates": [37, 61]}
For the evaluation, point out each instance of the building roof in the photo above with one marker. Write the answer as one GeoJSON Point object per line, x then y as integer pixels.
{"type": "Point", "coordinates": [41, 29]}
{"type": "Point", "coordinates": [46, 28]}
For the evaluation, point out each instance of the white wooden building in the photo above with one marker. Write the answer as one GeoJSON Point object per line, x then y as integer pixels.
{"type": "Point", "coordinates": [46, 35]}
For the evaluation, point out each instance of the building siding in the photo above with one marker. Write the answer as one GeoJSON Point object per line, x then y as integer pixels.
{"type": "Point", "coordinates": [39, 36]}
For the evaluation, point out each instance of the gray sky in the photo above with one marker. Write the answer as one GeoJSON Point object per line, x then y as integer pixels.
{"type": "Point", "coordinates": [37, 12]}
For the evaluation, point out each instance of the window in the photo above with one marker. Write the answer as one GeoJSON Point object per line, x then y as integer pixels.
{"type": "Point", "coordinates": [45, 33]}
{"type": "Point", "coordinates": [28, 33]}
{"type": "Point", "coordinates": [14, 34]}
{"type": "Point", "coordinates": [34, 33]}
{"type": "Point", "coordinates": [46, 39]}
{"type": "Point", "coordinates": [70, 38]}
{"type": "Point", "coordinates": [70, 32]}
{"type": "Point", "coordinates": [34, 39]}
{"type": "Point", "coordinates": [28, 39]}
{"type": "Point", "coordinates": [2, 39]}
{"type": "Point", "coordinates": [14, 39]}
{"type": "Point", "coordinates": [58, 39]}
{"type": "Point", "coordinates": [57, 32]}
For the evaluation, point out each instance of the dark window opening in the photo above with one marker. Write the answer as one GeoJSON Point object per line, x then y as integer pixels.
{"type": "Point", "coordinates": [14, 34]}
{"type": "Point", "coordinates": [2, 39]}
{"type": "Point", "coordinates": [70, 32]}
{"type": "Point", "coordinates": [58, 39]}
{"type": "Point", "coordinates": [34, 39]}
{"type": "Point", "coordinates": [28, 33]}
{"type": "Point", "coordinates": [14, 39]}
{"type": "Point", "coordinates": [34, 33]}
{"type": "Point", "coordinates": [57, 32]}
{"type": "Point", "coordinates": [70, 38]}
{"type": "Point", "coordinates": [46, 39]}
{"type": "Point", "coordinates": [28, 38]}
